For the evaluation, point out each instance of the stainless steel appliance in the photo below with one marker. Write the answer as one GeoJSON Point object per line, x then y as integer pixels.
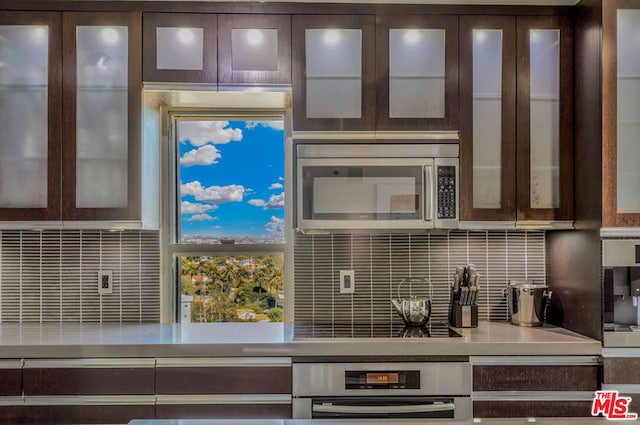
{"type": "Point", "coordinates": [382, 390]}
{"type": "Point", "coordinates": [621, 263]}
{"type": "Point", "coordinates": [527, 302]}
{"type": "Point", "coordinates": [377, 186]}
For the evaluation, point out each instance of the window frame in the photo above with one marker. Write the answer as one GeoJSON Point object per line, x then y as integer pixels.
{"type": "Point", "coordinates": [174, 249]}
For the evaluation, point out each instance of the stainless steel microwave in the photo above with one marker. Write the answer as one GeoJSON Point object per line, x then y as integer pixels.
{"type": "Point", "coordinates": [377, 186]}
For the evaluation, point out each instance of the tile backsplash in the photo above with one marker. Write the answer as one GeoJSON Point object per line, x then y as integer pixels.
{"type": "Point", "coordinates": [51, 276]}
{"type": "Point", "coordinates": [381, 261]}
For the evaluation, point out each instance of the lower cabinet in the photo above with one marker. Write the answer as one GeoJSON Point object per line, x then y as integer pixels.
{"type": "Point", "coordinates": [621, 372]}
{"type": "Point", "coordinates": [534, 386]}
{"type": "Point", "coordinates": [10, 378]}
{"type": "Point", "coordinates": [249, 387]}
{"type": "Point", "coordinates": [87, 410]}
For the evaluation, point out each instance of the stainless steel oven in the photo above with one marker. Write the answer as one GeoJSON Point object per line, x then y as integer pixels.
{"type": "Point", "coordinates": [377, 186]}
{"type": "Point", "coordinates": [438, 390]}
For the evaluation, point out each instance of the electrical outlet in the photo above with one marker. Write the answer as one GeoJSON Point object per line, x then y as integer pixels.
{"type": "Point", "coordinates": [105, 282]}
{"type": "Point", "coordinates": [347, 282]}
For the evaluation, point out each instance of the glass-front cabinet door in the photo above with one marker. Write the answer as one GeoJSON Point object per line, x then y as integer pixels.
{"type": "Point", "coordinates": [30, 116]}
{"type": "Point", "coordinates": [333, 72]}
{"type": "Point", "coordinates": [621, 114]}
{"type": "Point", "coordinates": [102, 102]}
{"type": "Point", "coordinates": [417, 72]}
{"type": "Point", "coordinates": [545, 118]}
{"type": "Point", "coordinates": [488, 118]}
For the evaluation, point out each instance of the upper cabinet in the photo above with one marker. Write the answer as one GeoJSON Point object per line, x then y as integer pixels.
{"type": "Point", "coordinates": [516, 103]}
{"type": "Point", "coordinates": [333, 73]}
{"type": "Point", "coordinates": [545, 118]}
{"type": "Point", "coordinates": [488, 118]}
{"type": "Point", "coordinates": [70, 144]}
{"type": "Point", "coordinates": [101, 116]}
{"type": "Point", "coordinates": [180, 47]}
{"type": "Point", "coordinates": [227, 50]}
{"type": "Point", "coordinates": [621, 114]}
{"type": "Point", "coordinates": [30, 115]}
{"type": "Point", "coordinates": [417, 72]}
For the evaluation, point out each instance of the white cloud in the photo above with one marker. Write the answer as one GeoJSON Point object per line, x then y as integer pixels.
{"type": "Point", "coordinates": [275, 202]}
{"type": "Point", "coordinates": [257, 202]}
{"type": "Point", "coordinates": [205, 155]}
{"type": "Point", "coordinates": [275, 226]}
{"type": "Point", "coordinates": [194, 208]}
{"type": "Point", "coordinates": [216, 227]}
{"type": "Point", "coordinates": [274, 124]}
{"type": "Point", "coordinates": [281, 179]}
{"type": "Point", "coordinates": [201, 217]}
{"type": "Point", "coordinates": [213, 194]}
{"type": "Point", "coordinates": [275, 186]}
{"type": "Point", "coordinates": [200, 133]}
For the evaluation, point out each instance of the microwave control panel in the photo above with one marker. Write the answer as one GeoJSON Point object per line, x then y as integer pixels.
{"type": "Point", "coordinates": [446, 192]}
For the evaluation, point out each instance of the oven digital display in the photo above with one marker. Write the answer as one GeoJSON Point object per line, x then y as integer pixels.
{"type": "Point", "coordinates": [382, 378]}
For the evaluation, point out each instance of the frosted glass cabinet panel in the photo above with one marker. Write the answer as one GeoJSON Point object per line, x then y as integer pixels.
{"type": "Point", "coordinates": [628, 110]}
{"type": "Point", "coordinates": [180, 48]}
{"type": "Point", "coordinates": [334, 73]}
{"type": "Point", "coordinates": [24, 80]}
{"type": "Point", "coordinates": [102, 117]}
{"type": "Point", "coordinates": [544, 117]}
{"type": "Point", "coordinates": [416, 73]}
{"type": "Point", "coordinates": [487, 118]}
{"type": "Point", "coordinates": [254, 49]}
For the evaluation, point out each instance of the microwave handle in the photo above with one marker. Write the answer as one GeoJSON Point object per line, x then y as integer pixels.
{"type": "Point", "coordinates": [428, 193]}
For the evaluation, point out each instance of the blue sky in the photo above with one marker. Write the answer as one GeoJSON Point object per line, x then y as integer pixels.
{"type": "Point", "coordinates": [231, 178]}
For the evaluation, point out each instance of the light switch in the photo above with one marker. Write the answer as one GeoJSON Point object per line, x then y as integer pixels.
{"type": "Point", "coordinates": [105, 282]}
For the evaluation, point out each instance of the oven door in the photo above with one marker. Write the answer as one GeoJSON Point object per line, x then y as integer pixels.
{"type": "Point", "coordinates": [365, 193]}
{"type": "Point", "coordinates": [383, 407]}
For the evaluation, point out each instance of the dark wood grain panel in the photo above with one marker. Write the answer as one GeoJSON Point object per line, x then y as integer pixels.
{"type": "Point", "coordinates": [226, 73]}
{"type": "Point", "coordinates": [300, 23]}
{"type": "Point", "coordinates": [223, 380]}
{"type": "Point", "coordinates": [507, 211]}
{"type": "Point", "coordinates": [54, 92]}
{"type": "Point", "coordinates": [530, 408]}
{"type": "Point", "coordinates": [13, 415]}
{"type": "Point", "coordinates": [523, 127]}
{"type": "Point", "coordinates": [133, 21]}
{"type": "Point", "coordinates": [153, 21]}
{"type": "Point", "coordinates": [10, 382]}
{"type": "Point", "coordinates": [447, 23]}
{"type": "Point", "coordinates": [621, 370]}
{"type": "Point", "coordinates": [535, 378]}
{"type": "Point", "coordinates": [88, 381]}
{"type": "Point", "coordinates": [99, 414]}
{"type": "Point", "coordinates": [223, 411]}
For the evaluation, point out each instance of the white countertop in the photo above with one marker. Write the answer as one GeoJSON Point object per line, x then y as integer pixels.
{"type": "Point", "coordinates": [273, 339]}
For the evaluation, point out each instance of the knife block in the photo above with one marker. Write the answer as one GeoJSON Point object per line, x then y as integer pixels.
{"type": "Point", "coordinates": [464, 316]}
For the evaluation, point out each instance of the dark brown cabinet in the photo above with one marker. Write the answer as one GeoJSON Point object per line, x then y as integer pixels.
{"type": "Point", "coordinates": [30, 115]}
{"type": "Point", "coordinates": [180, 48]}
{"type": "Point", "coordinates": [223, 388]}
{"type": "Point", "coordinates": [101, 152]}
{"type": "Point", "coordinates": [417, 72]}
{"type": "Point", "coordinates": [519, 387]}
{"type": "Point", "coordinates": [620, 114]}
{"type": "Point", "coordinates": [333, 72]}
{"type": "Point", "coordinates": [516, 148]}
{"type": "Point", "coordinates": [80, 148]}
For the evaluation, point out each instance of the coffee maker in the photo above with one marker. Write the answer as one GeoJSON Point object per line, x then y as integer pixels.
{"type": "Point", "coordinates": [621, 283]}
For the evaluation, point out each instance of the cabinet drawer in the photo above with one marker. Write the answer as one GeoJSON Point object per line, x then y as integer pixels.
{"type": "Point", "coordinates": [223, 407]}
{"type": "Point", "coordinates": [621, 370]}
{"type": "Point", "coordinates": [530, 408]}
{"type": "Point", "coordinates": [535, 378]}
{"type": "Point", "coordinates": [223, 376]}
{"type": "Point", "coordinates": [11, 378]}
{"type": "Point", "coordinates": [88, 377]}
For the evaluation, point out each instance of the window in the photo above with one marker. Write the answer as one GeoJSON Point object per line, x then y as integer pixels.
{"type": "Point", "coordinates": [228, 208]}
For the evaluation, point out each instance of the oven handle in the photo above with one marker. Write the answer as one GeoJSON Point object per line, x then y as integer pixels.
{"type": "Point", "coordinates": [412, 408]}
